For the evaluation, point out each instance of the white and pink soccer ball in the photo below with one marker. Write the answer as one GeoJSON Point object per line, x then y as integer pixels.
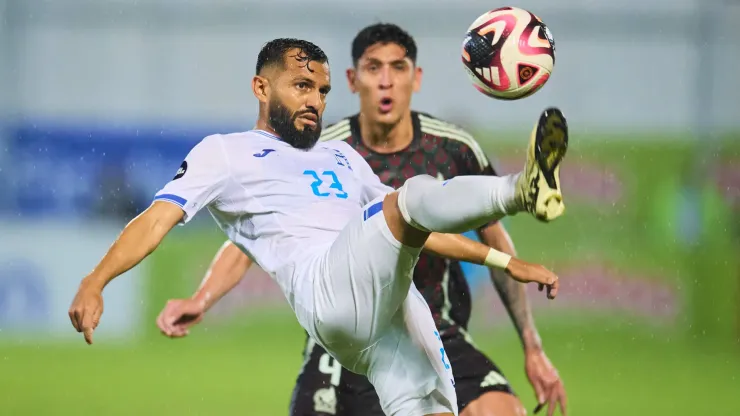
{"type": "Point", "coordinates": [508, 53]}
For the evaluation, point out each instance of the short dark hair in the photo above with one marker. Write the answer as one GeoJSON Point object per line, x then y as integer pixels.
{"type": "Point", "coordinates": [273, 52]}
{"type": "Point", "coordinates": [382, 33]}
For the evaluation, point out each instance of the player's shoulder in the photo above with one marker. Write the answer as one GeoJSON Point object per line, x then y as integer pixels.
{"type": "Point", "coordinates": [339, 131]}
{"type": "Point", "coordinates": [222, 146]}
{"type": "Point", "coordinates": [209, 144]}
{"type": "Point", "coordinates": [249, 136]}
{"type": "Point", "coordinates": [454, 134]}
{"type": "Point", "coordinates": [245, 140]}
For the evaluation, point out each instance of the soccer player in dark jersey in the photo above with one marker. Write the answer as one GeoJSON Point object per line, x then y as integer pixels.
{"type": "Point", "coordinates": [399, 143]}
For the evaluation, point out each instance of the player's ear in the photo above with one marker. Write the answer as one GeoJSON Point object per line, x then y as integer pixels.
{"type": "Point", "coordinates": [261, 88]}
{"type": "Point", "coordinates": [351, 76]}
{"type": "Point", "coordinates": [417, 78]}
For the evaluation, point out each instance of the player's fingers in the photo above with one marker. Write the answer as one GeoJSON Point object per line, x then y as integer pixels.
{"type": "Point", "coordinates": [74, 317]}
{"type": "Point", "coordinates": [96, 316]}
{"type": "Point", "coordinates": [87, 320]}
{"type": "Point", "coordinates": [176, 331]}
{"type": "Point", "coordinates": [160, 321]}
{"type": "Point", "coordinates": [562, 407]}
{"type": "Point", "coordinates": [552, 405]}
{"type": "Point", "coordinates": [180, 332]}
{"type": "Point", "coordinates": [167, 323]}
{"type": "Point", "coordinates": [552, 290]}
{"type": "Point", "coordinates": [539, 390]}
{"type": "Point", "coordinates": [88, 332]}
{"type": "Point", "coordinates": [563, 400]}
{"type": "Point", "coordinates": [81, 319]}
{"type": "Point", "coordinates": [552, 398]}
{"type": "Point", "coordinates": [88, 324]}
{"type": "Point", "coordinates": [163, 318]}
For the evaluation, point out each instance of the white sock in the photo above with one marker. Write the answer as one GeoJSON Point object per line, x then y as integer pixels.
{"type": "Point", "coordinates": [457, 205]}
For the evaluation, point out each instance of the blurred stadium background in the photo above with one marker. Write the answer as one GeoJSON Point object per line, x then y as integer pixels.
{"type": "Point", "coordinates": [101, 100]}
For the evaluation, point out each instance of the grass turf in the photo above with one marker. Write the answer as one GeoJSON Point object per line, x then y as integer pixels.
{"type": "Point", "coordinates": [609, 368]}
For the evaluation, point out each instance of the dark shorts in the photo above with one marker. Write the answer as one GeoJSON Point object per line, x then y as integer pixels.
{"type": "Point", "coordinates": [325, 388]}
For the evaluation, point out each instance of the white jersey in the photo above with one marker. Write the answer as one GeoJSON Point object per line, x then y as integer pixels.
{"type": "Point", "coordinates": [312, 220]}
{"type": "Point", "coordinates": [277, 203]}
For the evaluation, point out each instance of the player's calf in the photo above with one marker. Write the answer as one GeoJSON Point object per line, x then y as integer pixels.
{"type": "Point", "coordinates": [457, 205]}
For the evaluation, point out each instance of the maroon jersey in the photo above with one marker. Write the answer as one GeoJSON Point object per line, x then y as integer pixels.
{"type": "Point", "coordinates": [441, 150]}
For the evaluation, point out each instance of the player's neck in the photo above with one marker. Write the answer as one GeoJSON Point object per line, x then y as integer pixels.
{"type": "Point", "coordinates": [263, 125]}
{"type": "Point", "coordinates": [383, 138]}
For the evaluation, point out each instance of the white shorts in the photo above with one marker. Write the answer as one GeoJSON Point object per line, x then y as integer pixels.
{"type": "Point", "coordinates": [373, 320]}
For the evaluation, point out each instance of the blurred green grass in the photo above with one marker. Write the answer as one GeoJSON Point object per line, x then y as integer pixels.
{"type": "Point", "coordinates": [610, 368]}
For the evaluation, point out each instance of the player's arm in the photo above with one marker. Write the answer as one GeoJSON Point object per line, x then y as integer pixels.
{"type": "Point", "coordinates": [461, 248]}
{"type": "Point", "coordinates": [540, 372]}
{"type": "Point", "coordinates": [512, 293]}
{"type": "Point", "coordinates": [225, 272]}
{"type": "Point", "coordinates": [198, 183]}
{"type": "Point", "coordinates": [137, 240]}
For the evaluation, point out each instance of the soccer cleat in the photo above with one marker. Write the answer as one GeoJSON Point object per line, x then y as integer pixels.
{"type": "Point", "coordinates": [538, 187]}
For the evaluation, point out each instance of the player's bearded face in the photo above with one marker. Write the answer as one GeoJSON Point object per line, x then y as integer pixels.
{"type": "Point", "coordinates": [285, 124]}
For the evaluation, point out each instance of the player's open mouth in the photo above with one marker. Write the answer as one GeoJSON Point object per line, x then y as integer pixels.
{"type": "Point", "coordinates": [386, 104]}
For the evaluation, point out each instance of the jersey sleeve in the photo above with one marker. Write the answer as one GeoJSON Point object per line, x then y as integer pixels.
{"type": "Point", "coordinates": [200, 180]}
{"type": "Point", "coordinates": [372, 186]}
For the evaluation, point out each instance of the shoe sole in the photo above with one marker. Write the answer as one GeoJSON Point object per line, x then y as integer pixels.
{"type": "Point", "coordinates": [551, 144]}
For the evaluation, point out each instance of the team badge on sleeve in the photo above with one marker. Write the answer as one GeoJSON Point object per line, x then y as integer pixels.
{"type": "Point", "coordinates": [181, 172]}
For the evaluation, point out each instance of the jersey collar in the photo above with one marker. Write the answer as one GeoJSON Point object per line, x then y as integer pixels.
{"type": "Point", "coordinates": [354, 123]}
{"type": "Point", "coordinates": [267, 134]}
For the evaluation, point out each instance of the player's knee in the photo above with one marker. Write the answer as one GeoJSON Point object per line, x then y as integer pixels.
{"type": "Point", "coordinates": [403, 228]}
{"type": "Point", "coordinates": [411, 196]}
{"type": "Point", "coordinates": [495, 403]}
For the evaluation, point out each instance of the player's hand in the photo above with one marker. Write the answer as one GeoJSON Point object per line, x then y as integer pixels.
{"type": "Point", "coordinates": [86, 309]}
{"type": "Point", "coordinates": [179, 315]}
{"type": "Point", "coordinates": [524, 272]}
{"type": "Point", "coordinates": [546, 382]}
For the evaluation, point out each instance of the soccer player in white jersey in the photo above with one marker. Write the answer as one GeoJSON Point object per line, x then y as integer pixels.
{"type": "Point", "coordinates": [341, 245]}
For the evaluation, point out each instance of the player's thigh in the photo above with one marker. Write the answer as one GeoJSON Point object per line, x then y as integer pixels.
{"type": "Point", "coordinates": [364, 280]}
{"type": "Point", "coordinates": [325, 388]}
{"type": "Point", "coordinates": [495, 403]}
{"type": "Point", "coordinates": [476, 377]}
{"type": "Point", "coordinates": [408, 365]}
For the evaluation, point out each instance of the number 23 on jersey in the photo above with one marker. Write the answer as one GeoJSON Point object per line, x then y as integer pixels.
{"type": "Point", "coordinates": [326, 184]}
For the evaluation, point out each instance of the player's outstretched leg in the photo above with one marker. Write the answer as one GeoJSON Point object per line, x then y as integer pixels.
{"type": "Point", "coordinates": [468, 202]}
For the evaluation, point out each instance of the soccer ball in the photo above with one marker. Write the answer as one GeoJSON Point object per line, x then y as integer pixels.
{"type": "Point", "coordinates": [508, 53]}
